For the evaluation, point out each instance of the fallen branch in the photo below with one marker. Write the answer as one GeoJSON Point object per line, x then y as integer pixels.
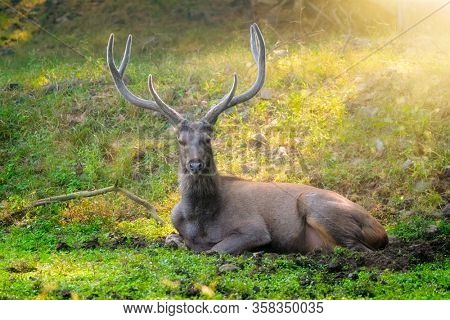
{"type": "Point", "coordinates": [87, 194]}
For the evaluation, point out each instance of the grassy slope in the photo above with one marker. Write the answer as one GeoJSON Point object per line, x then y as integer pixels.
{"type": "Point", "coordinates": [85, 136]}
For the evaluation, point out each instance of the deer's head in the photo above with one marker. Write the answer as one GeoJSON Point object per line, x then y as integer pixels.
{"type": "Point", "coordinates": [194, 137]}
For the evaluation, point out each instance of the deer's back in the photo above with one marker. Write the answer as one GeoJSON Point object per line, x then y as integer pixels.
{"type": "Point", "coordinates": [289, 210]}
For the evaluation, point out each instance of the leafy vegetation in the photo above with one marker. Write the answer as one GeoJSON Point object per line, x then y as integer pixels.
{"type": "Point", "coordinates": [379, 134]}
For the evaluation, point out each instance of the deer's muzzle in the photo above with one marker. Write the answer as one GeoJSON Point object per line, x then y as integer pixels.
{"type": "Point", "coordinates": [195, 166]}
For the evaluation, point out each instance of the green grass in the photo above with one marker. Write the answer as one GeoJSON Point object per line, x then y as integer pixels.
{"type": "Point", "coordinates": [161, 273]}
{"type": "Point", "coordinates": [84, 136]}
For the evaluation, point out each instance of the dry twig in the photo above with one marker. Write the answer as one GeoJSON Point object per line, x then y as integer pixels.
{"type": "Point", "coordinates": [87, 194]}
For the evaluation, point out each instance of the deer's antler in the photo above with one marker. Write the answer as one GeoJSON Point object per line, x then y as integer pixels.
{"type": "Point", "coordinates": [158, 105]}
{"type": "Point", "coordinates": [229, 100]}
{"type": "Point", "coordinates": [258, 49]}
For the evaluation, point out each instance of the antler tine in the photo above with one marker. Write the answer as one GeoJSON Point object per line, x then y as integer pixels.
{"type": "Point", "coordinates": [258, 49]}
{"type": "Point", "coordinates": [126, 55]}
{"type": "Point", "coordinates": [213, 113]}
{"type": "Point", "coordinates": [170, 113]}
{"type": "Point", "coordinates": [254, 43]}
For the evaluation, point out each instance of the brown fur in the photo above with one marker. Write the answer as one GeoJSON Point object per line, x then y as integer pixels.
{"type": "Point", "coordinates": [281, 217]}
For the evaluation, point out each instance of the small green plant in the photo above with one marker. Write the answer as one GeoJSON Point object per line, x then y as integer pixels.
{"type": "Point", "coordinates": [415, 227]}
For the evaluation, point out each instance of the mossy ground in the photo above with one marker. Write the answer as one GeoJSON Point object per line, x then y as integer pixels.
{"type": "Point", "coordinates": [378, 134]}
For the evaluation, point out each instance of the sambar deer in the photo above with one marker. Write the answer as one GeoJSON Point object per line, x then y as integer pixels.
{"type": "Point", "coordinates": [227, 214]}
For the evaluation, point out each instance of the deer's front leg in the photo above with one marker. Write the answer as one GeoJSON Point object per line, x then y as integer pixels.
{"type": "Point", "coordinates": [243, 238]}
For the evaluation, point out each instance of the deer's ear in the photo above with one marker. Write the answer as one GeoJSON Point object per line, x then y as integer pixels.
{"type": "Point", "coordinates": [181, 141]}
{"type": "Point", "coordinates": [206, 126]}
{"type": "Point", "coordinates": [207, 137]}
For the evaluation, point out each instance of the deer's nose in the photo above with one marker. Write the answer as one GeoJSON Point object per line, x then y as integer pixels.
{"type": "Point", "coordinates": [195, 165]}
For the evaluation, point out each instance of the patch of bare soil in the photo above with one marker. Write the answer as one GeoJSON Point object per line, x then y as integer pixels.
{"type": "Point", "coordinates": [134, 242]}
{"type": "Point", "coordinates": [399, 255]}
{"type": "Point", "coordinates": [115, 241]}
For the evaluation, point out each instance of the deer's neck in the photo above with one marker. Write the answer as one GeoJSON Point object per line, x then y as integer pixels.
{"type": "Point", "coordinates": [199, 186]}
{"type": "Point", "coordinates": [201, 191]}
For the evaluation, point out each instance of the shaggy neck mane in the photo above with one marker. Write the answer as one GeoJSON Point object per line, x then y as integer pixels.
{"type": "Point", "coordinates": [197, 187]}
{"type": "Point", "coordinates": [202, 188]}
